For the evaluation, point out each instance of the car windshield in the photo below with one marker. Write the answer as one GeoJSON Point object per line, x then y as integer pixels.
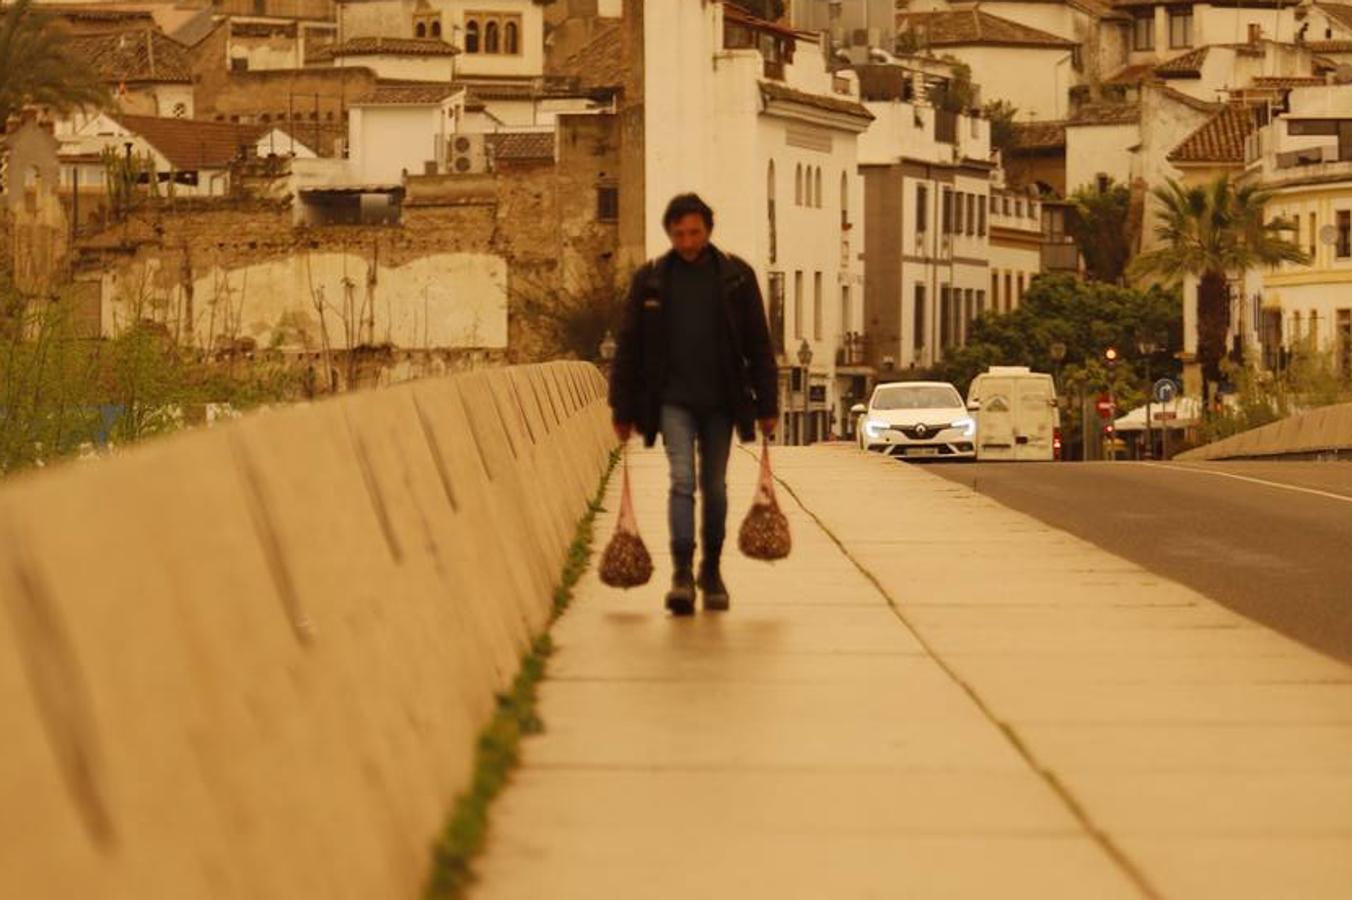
{"type": "Point", "coordinates": [929, 396]}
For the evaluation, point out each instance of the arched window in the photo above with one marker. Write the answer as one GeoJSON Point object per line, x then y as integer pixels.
{"type": "Point", "coordinates": [491, 37]}
{"type": "Point", "coordinates": [817, 189]}
{"type": "Point", "coordinates": [436, 29]}
{"type": "Point", "coordinates": [471, 37]}
{"type": "Point", "coordinates": [510, 41]}
{"type": "Point", "coordinates": [420, 30]}
{"type": "Point", "coordinates": [798, 186]}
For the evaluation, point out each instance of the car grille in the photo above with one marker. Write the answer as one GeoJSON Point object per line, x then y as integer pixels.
{"type": "Point", "coordinates": [921, 432]}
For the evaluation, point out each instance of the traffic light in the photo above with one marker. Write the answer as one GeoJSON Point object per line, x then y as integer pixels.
{"type": "Point", "coordinates": [1110, 357]}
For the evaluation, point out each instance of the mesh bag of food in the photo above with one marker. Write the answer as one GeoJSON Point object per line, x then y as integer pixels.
{"type": "Point", "coordinates": [765, 530]}
{"type": "Point", "coordinates": [626, 562]}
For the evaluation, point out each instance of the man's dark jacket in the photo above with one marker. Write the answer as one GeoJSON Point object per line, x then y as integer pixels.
{"type": "Point", "coordinates": [638, 376]}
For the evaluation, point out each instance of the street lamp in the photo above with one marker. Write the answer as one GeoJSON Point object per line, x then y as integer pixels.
{"type": "Point", "coordinates": [1148, 347]}
{"type": "Point", "coordinates": [1057, 351]}
{"type": "Point", "coordinates": [805, 360]}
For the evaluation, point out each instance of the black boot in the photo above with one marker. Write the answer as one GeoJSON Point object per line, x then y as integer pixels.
{"type": "Point", "coordinates": [716, 597]}
{"type": "Point", "coordinates": [681, 597]}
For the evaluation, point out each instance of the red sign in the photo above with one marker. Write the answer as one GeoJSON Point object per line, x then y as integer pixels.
{"type": "Point", "coordinates": [1165, 416]}
{"type": "Point", "coordinates": [1104, 405]}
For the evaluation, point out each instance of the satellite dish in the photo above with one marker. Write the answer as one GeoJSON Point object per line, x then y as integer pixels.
{"type": "Point", "coordinates": [1342, 74]}
{"type": "Point", "coordinates": [1328, 235]}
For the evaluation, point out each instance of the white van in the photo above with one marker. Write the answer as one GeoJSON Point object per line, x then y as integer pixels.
{"type": "Point", "coordinates": [1017, 416]}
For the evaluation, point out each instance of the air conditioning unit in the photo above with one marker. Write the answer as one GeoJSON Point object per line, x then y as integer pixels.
{"type": "Point", "coordinates": [466, 154]}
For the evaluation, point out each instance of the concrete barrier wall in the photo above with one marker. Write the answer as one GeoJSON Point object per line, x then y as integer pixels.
{"type": "Point", "coordinates": [252, 662]}
{"type": "Point", "coordinates": [1326, 430]}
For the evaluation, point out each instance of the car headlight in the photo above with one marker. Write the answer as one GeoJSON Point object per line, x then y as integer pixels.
{"type": "Point", "coordinates": [874, 427]}
{"type": "Point", "coordinates": [967, 424]}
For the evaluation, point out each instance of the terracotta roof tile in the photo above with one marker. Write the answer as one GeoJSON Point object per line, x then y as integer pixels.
{"type": "Point", "coordinates": [954, 28]}
{"type": "Point", "coordinates": [134, 56]}
{"type": "Point", "coordinates": [407, 93]}
{"type": "Point", "coordinates": [191, 144]}
{"type": "Point", "coordinates": [1189, 65]}
{"type": "Point", "coordinates": [1187, 99]}
{"type": "Point", "coordinates": [1220, 139]}
{"type": "Point", "coordinates": [1338, 12]}
{"type": "Point", "coordinates": [1132, 74]}
{"type": "Point", "coordinates": [392, 46]}
{"type": "Point", "coordinates": [1274, 81]}
{"type": "Point", "coordinates": [1040, 135]}
{"type": "Point", "coordinates": [599, 62]}
{"type": "Point", "coordinates": [1104, 113]}
{"type": "Point", "coordinates": [771, 90]}
{"type": "Point", "coordinates": [88, 13]}
{"type": "Point", "coordinates": [522, 146]}
{"type": "Point", "coordinates": [1096, 8]}
{"type": "Point", "coordinates": [734, 13]}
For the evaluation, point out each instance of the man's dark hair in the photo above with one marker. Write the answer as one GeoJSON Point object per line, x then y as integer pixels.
{"type": "Point", "coordinates": [683, 205]}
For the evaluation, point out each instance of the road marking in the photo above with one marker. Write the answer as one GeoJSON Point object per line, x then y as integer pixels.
{"type": "Point", "coordinates": [1276, 484]}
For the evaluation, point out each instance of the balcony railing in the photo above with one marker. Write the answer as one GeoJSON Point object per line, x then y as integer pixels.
{"type": "Point", "coordinates": [1060, 256]}
{"type": "Point", "coordinates": [853, 349]}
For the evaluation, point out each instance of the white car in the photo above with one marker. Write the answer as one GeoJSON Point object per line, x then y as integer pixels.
{"type": "Point", "coordinates": [916, 419]}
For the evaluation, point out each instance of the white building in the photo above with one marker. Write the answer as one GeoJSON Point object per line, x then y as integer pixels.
{"type": "Point", "coordinates": [1304, 158]}
{"type": "Point", "coordinates": [1027, 67]}
{"type": "Point", "coordinates": [927, 173]}
{"type": "Point", "coordinates": [1022, 244]}
{"type": "Point", "coordinates": [745, 113]}
{"type": "Point", "coordinates": [499, 38]}
{"type": "Point", "coordinates": [398, 58]}
{"type": "Point", "coordinates": [196, 157]}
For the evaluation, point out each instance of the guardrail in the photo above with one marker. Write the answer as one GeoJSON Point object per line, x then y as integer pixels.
{"type": "Point", "coordinates": [252, 661]}
{"type": "Point", "coordinates": [1323, 432]}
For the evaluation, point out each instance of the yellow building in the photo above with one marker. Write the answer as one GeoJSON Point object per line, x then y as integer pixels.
{"type": "Point", "coordinates": [1304, 158]}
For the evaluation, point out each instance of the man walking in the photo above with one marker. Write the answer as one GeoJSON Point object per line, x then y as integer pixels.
{"type": "Point", "coordinates": [693, 362]}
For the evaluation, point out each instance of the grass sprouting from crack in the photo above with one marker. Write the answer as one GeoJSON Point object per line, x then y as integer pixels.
{"type": "Point", "coordinates": [498, 749]}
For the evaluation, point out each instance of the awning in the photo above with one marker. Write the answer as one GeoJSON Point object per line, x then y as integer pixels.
{"type": "Point", "coordinates": [1183, 412]}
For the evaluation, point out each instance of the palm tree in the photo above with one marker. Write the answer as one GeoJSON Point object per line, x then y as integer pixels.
{"type": "Point", "coordinates": [36, 69]}
{"type": "Point", "coordinates": [1100, 223]}
{"type": "Point", "coordinates": [1214, 231]}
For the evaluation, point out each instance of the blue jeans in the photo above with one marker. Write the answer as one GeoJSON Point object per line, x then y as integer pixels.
{"type": "Point", "coordinates": [682, 432]}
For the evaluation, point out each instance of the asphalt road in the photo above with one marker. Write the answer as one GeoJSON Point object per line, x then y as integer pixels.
{"type": "Point", "coordinates": [1272, 541]}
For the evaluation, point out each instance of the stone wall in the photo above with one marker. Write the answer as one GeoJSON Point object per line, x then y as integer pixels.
{"type": "Point", "coordinates": [252, 661]}
{"type": "Point", "coordinates": [1323, 432]}
{"type": "Point", "coordinates": [529, 226]}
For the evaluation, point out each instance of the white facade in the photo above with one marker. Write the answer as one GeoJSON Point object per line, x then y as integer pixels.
{"type": "Point", "coordinates": [1305, 306]}
{"type": "Point", "coordinates": [1015, 247]}
{"type": "Point", "coordinates": [105, 132]}
{"type": "Point", "coordinates": [386, 141]}
{"type": "Point", "coordinates": [462, 23]}
{"type": "Point", "coordinates": [1094, 150]}
{"type": "Point", "coordinates": [1039, 97]}
{"type": "Point", "coordinates": [780, 173]}
{"type": "Point", "coordinates": [928, 189]}
{"type": "Point", "coordinates": [402, 67]}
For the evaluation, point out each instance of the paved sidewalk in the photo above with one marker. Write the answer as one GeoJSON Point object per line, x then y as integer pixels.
{"type": "Point", "coordinates": [965, 704]}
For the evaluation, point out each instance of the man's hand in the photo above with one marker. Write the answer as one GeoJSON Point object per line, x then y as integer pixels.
{"type": "Point", "coordinates": [767, 426]}
{"type": "Point", "coordinates": [623, 431]}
